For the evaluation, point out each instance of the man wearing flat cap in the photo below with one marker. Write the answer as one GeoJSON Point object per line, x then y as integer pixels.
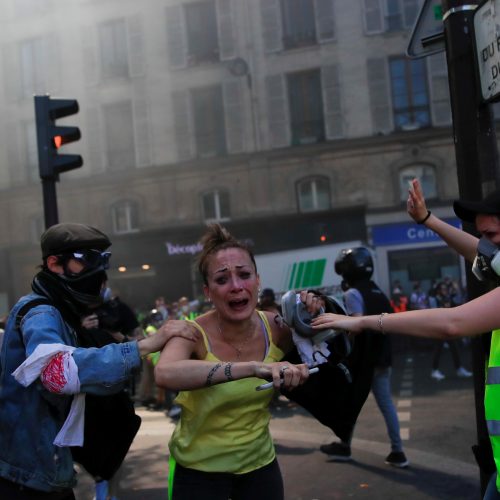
{"type": "Point", "coordinates": [44, 374]}
{"type": "Point", "coordinates": [485, 258]}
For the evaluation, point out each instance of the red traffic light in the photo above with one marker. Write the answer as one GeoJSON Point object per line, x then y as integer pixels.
{"type": "Point", "coordinates": [57, 141]}
{"type": "Point", "coordinates": [322, 238]}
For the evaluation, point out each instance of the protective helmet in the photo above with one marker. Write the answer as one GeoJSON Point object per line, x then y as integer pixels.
{"type": "Point", "coordinates": [354, 264]}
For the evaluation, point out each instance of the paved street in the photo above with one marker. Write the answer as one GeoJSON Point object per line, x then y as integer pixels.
{"type": "Point", "coordinates": [437, 425]}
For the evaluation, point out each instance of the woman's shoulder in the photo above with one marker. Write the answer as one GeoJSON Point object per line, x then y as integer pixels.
{"type": "Point", "coordinates": [281, 335]}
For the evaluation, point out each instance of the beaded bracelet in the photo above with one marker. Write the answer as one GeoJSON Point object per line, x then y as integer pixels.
{"type": "Point", "coordinates": [381, 323]}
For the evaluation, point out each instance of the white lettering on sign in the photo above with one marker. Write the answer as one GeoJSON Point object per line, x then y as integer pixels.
{"type": "Point", "coordinates": [487, 41]}
{"type": "Point", "coordinates": [416, 233]}
{"type": "Point", "coordinates": [175, 249]}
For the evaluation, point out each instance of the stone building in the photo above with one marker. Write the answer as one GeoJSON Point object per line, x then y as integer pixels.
{"type": "Point", "coordinates": [296, 123]}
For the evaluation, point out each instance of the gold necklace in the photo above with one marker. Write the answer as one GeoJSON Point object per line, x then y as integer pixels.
{"type": "Point", "coordinates": [238, 348]}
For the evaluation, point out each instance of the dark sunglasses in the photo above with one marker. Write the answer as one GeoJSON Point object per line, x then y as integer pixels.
{"type": "Point", "coordinates": [91, 258]}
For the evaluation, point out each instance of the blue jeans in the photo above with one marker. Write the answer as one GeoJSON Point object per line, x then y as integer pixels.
{"type": "Point", "coordinates": [381, 388]}
{"type": "Point", "coordinates": [491, 492]}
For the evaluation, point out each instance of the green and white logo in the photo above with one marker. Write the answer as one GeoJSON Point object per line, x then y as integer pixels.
{"type": "Point", "coordinates": [305, 274]}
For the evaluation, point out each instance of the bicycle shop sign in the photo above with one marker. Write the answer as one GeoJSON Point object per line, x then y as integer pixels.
{"type": "Point", "coordinates": [487, 44]}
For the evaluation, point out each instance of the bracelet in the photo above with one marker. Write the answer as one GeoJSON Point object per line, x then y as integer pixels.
{"type": "Point", "coordinates": [381, 323]}
{"type": "Point", "coordinates": [211, 374]}
{"type": "Point", "coordinates": [227, 372]}
{"type": "Point", "coordinates": [424, 220]}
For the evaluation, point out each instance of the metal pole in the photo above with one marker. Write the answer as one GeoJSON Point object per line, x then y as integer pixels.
{"type": "Point", "coordinates": [476, 158]}
{"type": "Point", "coordinates": [50, 202]}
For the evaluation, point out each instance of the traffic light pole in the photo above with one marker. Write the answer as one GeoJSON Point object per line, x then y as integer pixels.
{"type": "Point", "coordinates": [477, 163]}
{"type": "Point", "coordinates": [50, 202]}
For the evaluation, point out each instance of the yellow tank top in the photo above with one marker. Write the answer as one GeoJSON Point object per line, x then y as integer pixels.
{"type": "Point", "coordinates": [225, 428]}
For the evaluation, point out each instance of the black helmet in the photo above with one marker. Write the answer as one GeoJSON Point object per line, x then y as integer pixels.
{"type": "Point", "coordinates": [354, 264]}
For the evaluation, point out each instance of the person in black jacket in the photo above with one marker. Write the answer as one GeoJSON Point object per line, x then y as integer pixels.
{"type": "Point", "coordinates": [362, 296]}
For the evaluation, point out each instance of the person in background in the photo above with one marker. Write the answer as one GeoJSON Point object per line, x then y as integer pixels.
{"type": "Point", "coordinates": [418, 298]}
{"type": "Point", "coordinates": [161, 307]}
{"type": "Point", "coordinates": [444, 299]}
{"type": "Point", "coordinates": [355, 265]}
{"type": "Point", "coordinates": [267, 301]}
{"type": "Point", "coordinates": [44, 373]}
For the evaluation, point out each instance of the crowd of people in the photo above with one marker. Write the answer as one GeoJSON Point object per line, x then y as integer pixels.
{"type": "Point", "coordinates": [445, 292]}
{"type": "Point", "coordinates": [75, 360]}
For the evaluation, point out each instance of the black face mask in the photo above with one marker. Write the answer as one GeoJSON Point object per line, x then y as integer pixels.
{"type": "Point", "coordinates": [85, 287]}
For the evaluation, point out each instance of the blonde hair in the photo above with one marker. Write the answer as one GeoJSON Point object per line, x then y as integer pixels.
{"type": "Point", "coordinates": [218, 238]}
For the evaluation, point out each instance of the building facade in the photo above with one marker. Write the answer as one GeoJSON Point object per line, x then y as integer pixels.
{"type": "Point", "coordinates": [296, 123]}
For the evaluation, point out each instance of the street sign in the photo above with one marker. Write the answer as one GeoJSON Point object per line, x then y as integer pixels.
{"type": "Point", "coordinates": [427, 36]}
{"type": "Point", "coordinates": [487, 43]}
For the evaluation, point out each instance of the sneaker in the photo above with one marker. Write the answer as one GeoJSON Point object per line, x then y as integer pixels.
{"type": "Point", "coordinates": [463, 373]}
{"type": "Point", "coordinates": [174, 412]}
{"type": "Point", "coordinates": [101, 490]}
{"type": "Point", "coordinates": [437, 375]}
{"type": "Point", "coordinates": [397, 459]}
{"type": "Point", "coordinates": [337, 451]}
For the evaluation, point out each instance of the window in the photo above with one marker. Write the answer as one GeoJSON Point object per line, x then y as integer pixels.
{"type": "Point", "coordinates": [299, 25]}
{"type": "Point", "coordinates": [201, 30]}
{"type": "Point", "coordinates": [124, 217]}
{"type": "Point", "coordinates": [216, 206]}
{"type": "Point", "coordinates": [401, 14]}
{"type": "Point", "coordinates": [33, 67]}
{"type": "Point", "coordinates": [426, 174]}
{"type": "Point", "coordinates": [208, 118]}
{"type": "Point", "coordinates": [113, 45]}
{"type": "Point", "coordinates": [119, 127]}
{"type": "Point", "coordinates": [410, 96]}
{"type": "Point", "coordinates": [306, 107]}
{"type": "Point", "coordinates": [389, 15]}
{"type": "Point", "coordinates": [313, 194]}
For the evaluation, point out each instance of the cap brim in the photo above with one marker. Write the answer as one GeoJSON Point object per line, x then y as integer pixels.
{"type": "Point", "coordinates": [467, 210]}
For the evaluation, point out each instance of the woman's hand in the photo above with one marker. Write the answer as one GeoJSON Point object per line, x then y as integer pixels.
{"type": "Point", "coordinates": [351, 324]}
{"type": "Point", "coordinates": [171, 329]}
{"type": "Point", "coordinates": [283, 375]}
{"type": "Point", "coordinates": [415, 206]}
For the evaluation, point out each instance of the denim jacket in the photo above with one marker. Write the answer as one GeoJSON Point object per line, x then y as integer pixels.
{"type": "Point", "coordinates": [31, 417]}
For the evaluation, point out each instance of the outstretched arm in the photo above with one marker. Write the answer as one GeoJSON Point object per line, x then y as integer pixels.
{"type": "Point", "coordinates": [472, 318]}
{"type": "Point", "coordinates": [464, 243]}
{"type": "Point", "coordinates": [180, 368]}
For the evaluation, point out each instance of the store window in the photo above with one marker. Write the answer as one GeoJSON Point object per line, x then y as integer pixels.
{"type": "Point", "coordinates": [216, 206]}
{"type": "Point", "coordinates": [426, 174]}
{"type": "Point", "coordinates": [313, 194]}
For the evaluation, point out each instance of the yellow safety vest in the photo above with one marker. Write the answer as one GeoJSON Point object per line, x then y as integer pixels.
{"type": "Point", "coordinates": [492, 399]}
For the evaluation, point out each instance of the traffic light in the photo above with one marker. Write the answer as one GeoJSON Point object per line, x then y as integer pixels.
{"type": "Point", "coordinates": [50, 136]}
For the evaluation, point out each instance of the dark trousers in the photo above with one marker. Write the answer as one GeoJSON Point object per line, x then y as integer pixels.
{"type": "Point", "coordinates": [14, 491]}
{"type": "Point", "coordinates": [265, 483]}
{"type": "Point", "coordinates": [439, 349]}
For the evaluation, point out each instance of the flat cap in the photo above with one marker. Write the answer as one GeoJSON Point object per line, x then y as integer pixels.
{"type": "Point", "coordinates": [67, 237]}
